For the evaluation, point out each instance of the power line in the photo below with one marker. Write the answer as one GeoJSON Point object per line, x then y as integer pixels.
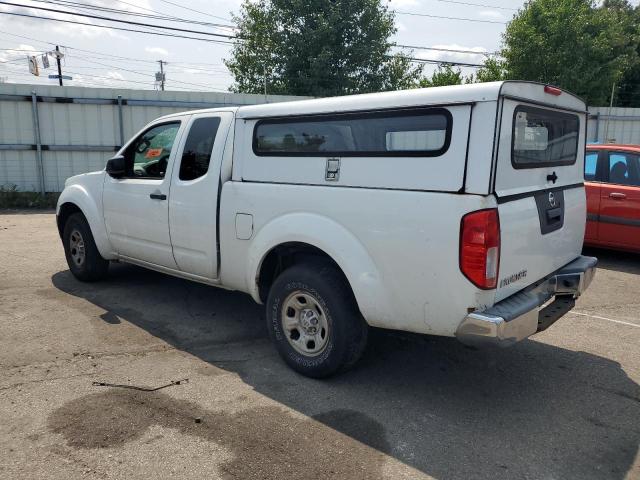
{"type": "Point", "coordinates": [199, 85]}
{"type": "Point", "coordinates": [20, 74]}
{"type": "Point", "coordinates": [108, 19]}
{"type": "Point", "coordinates": [91, 60]}
{"type": "Point", "coordinates": [443, 17]}
{"type": "Point", "coordinates": [194, 10]}
{"type": "Point", "coordinates": [84, 82]}
{"type": "Point", "coordinates": [66, 2]}
{"type": "Point", "coordinates": [104, 54]}
{"type": "Point", "coordinates": [444, 62]}
{"type": "Point", "coordinates": [150, 82]}
{"type": "Point", "coordinates": [26, 38]}
{"type": "Point", "coordinates": [21, 59]}
{"type": "Point", "coordinates": [413, 59]}
{"type": "Point", "coordinates": [192, 38]}
{"type": "Point", "coordinates": [75, 8]}
{"type": "Point", "coordinates": [121, 59]}
{"type": "Point", "coordinates": [207, 87]}
{"type": "Point", "coordinates": [116, 28]}
{"type": "Point", "coordinates": [199, 32]}
{"type": "Point", "coordinates": [234, 37]}
{"type": "Point", "coordinates": [471, 4]}
{"type": "Point", "coordinates": [117, 68]}
{"type": "Point", "coordinates": [200, 63]}
{"type": "Point", "coordinates": [35, 52]}
{"type": "Point", "coordinates": [452, 50]}
{"type": "Point", "coordinates": [147, 74]}
{"type": "Point", "coordinates": [107, 56]}
{"type": "Point", "coordinates": [85, 7]}
{"type": "Point", "coordinates": [198, 71]}
{"type": "Point", "coordinates": [149, 9]}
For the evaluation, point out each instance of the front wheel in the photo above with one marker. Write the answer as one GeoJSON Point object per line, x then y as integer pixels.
{"type": "Point", "coordinates": [83, 257]}
{"type": "Point", "coordinates": [314, 321]}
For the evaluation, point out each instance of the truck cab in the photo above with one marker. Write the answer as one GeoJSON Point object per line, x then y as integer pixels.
{"type": "Point", "coordinates": [453, 211]}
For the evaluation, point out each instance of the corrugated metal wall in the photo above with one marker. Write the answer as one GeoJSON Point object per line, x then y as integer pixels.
{"type": "Point", "coordinates": [80, 128]}
{"type": "Point", "coordinates": [620, 125]}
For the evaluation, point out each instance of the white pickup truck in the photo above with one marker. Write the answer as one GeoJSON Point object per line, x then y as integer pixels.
{"type": "Point", "coordinates": [454, 211]}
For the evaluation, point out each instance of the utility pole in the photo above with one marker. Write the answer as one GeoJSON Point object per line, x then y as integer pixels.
{"type": "Point", "coordinates": [161, 62]}
{"type": "Point", "coordinates": [264, 72]}
{"type": "Point", "coordinates": [606, 128]}
{"type": "Point", "coordinates": [59, 65]}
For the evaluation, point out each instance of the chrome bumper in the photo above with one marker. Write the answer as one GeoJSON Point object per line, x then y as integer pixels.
{"type": "Point", "coordinates": [531, 310]}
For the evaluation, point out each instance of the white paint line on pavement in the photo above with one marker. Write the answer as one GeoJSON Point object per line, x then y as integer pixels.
{"type": "Point", "coordinates": [607, 319]}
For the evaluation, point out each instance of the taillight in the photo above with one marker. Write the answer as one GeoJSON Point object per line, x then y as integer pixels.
{"type": "Point", "coordinates": [552, 90]}
{"type": "Point", "coordinates": [480, 248]}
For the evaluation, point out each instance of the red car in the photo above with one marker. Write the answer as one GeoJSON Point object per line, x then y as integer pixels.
{"type": "Point", "coordinates": [612, 179]}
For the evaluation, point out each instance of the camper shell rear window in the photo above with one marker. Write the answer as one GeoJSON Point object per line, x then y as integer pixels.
{"type": "Point", "coordinates": [544, 138]}
{"type": "Point", "coordinates": [417, 132]}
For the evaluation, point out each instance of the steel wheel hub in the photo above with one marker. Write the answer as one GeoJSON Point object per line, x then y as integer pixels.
{"type": "Point", "coordinates": [76, 248]}
{"type": "Point", "coordinates": [304, 323]}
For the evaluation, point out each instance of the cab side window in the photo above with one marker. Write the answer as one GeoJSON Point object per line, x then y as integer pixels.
{"type": "Point", "coordinates": [624, 169]}
{"type": "Point", "coordinates": [198, 147]}
{"type": "Point", "coordinates": [148, 155]}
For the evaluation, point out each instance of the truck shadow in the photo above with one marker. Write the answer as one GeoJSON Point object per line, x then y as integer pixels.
{"type": "Point", "coordinates": [532, 411]}
{"type": "Point", "coordinates": [615, 260]}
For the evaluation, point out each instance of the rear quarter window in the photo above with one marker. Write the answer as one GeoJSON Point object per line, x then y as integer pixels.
{"type": "Point", "coordinates": [405, 133]}
{"type": "Point", "coordinates": [544, 138]}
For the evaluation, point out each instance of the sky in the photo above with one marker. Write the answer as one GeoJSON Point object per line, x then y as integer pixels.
{"type": "Point", "coordinates": [106, 57]}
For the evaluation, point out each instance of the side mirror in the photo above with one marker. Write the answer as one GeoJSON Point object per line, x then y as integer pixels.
{"type": "Point", "coordinates": [116, 167]}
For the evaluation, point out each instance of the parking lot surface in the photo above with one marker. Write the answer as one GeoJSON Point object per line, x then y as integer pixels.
{"type": "Point", "coordinates": [563, 405]}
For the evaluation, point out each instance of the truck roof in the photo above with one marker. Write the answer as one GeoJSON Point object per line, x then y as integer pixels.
{"type": "Point", "coordinates": [470, 93]}
{"type": "Point", "coordinates": [450, 95]}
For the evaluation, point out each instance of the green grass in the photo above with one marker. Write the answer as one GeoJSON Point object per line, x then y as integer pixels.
{"type": "Point", "coordinates": [12, 197]}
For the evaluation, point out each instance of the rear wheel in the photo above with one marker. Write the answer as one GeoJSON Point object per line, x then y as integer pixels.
{"type": "Point", "coordinates": [314, 321]}
{"type": "Point", "coordinates": [83, 257]}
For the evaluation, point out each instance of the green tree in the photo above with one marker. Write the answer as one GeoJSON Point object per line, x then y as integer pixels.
{"type": "Point", "coordinates": [493, 70]}
{"type": "Point", "coordinates": [317, 47]}
{"type": "Point", "coordinates": [628, 88]}
{"type": "Point", "coordinates": [569, 43]}
{"type": "Point", "coordinates": [443, 76]}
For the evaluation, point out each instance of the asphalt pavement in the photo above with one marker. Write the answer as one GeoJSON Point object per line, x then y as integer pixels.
{"type": "Point", "coordinates": [563, 405]}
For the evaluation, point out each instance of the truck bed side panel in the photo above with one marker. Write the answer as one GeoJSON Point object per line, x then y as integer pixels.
{"type": "Point", "coordinates": [411, 280]}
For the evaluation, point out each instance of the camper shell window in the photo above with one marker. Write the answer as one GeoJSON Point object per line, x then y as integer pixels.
{"type": "Point", "coordinates": [423, 132]}
{"type": "Point", "coordinates": [544, 138]}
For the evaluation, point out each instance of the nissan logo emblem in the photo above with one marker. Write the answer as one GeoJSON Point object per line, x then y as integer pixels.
{"type": "Point", "coordinates": [552, 199]}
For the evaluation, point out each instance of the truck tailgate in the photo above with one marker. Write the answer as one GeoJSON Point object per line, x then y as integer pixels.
{"type": "Point", "coordinates": [539, 185]}
{"type": "Point", "coordinates": [527, 254]}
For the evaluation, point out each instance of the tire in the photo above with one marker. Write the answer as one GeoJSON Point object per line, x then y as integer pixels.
{"type": "Point", "coordinates": [328, 303]}
{"type": "Point", "coordinates": [83, 257]}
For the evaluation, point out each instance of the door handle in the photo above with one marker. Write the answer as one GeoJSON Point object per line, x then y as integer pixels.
{"type": "Point", "coordinates": [554, 215]}
{"type": "Point", "coordinates": [617, 196]}
{"type": "Point", "coordinates": [158, 196]}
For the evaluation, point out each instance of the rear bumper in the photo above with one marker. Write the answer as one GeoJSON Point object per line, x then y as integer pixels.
{"type": "Point", "coordinates": [531, 310]}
